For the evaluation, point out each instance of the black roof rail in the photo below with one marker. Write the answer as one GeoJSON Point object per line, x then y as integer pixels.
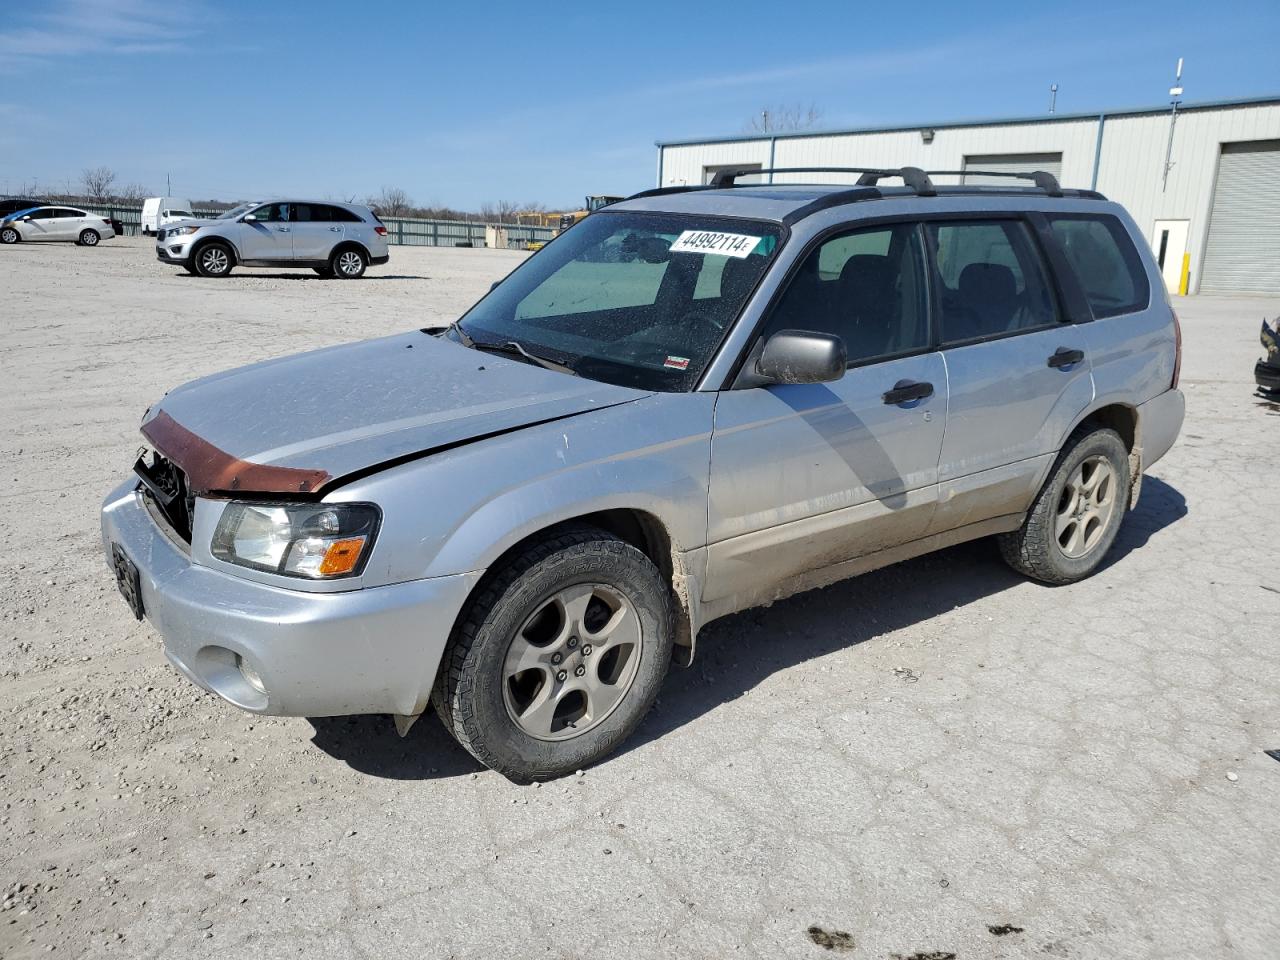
{"type": "Point", "coordinates": [913, 177]}
{"type": "Point", "coordinates": [1042, 179]}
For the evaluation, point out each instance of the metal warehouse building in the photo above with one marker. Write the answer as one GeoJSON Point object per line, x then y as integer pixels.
{"type": "Point", "coordinates": [1218, 210]}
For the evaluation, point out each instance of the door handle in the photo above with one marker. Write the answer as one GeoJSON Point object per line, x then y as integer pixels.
{"type": "Point", "coordinates": [1066, 357]}
{"type": "Point", "coordinates": [904, 391]}
{"type": "Point", "coordinates": [336, 229]}
{"type": "Point", "coordinates": [283, 229]}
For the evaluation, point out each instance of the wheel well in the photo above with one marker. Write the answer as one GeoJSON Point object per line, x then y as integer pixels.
{"type": "Point", "coordinates": [647, 534]}
{"type": "Point", "coordinates": [350, 245]}
{"type": "Point", "coordinates": [1123, 420]}
{"type": "Point", "coordinates": [235, 254]}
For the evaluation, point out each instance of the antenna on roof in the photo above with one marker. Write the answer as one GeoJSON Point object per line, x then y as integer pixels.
{"type": "Point", "coordinates": [1053, 97]}
{"type": "Point", "coordinates": [1175, 98]}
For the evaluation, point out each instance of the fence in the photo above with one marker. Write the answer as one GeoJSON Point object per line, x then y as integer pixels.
{"type": "Point", "coordinates": [400, 230]}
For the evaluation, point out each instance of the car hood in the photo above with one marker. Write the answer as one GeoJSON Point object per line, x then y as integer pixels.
{"type": "Point", "coordinates": [300, 424]}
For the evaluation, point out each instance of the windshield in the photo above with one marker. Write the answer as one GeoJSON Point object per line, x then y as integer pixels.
{"type": "Point", "coordinates": [236, 211]}
{"type": "Point", "coordinates": [19, 213]}
{"type": "Point", "coordinates": [637, 299]}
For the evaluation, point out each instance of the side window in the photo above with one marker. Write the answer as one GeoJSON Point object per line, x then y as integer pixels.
{"type": "Point", "coordinates": [342, 215]}
{"type": "Point", "coordinates": [272, 213]}
{"type": "Point", "coordinates": [70, 214]}
{"type": "Point", "coordinates": [1108, 267]}
{"type": "Point", "coordinates": [867, 287]}
{"type": "Point", "coordinates": [991, 280]}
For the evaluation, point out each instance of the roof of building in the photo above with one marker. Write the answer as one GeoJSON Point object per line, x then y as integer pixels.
{"type": "Point", "coordinates": [974, 122]}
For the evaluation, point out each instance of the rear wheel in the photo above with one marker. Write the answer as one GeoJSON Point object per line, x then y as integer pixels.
{"type": "Point", "coordinates": [89, 238]}
{"type": "Point", "coordinates": [10, 235]}
{"type": "Point", "coordinates": [348, 263]}
{"type": "Point", "coordinates": [214, 259]}
{"type": "Point", "coordinates": [558, 656]}
{"type": "Point", "coordinates": [1077, 515]}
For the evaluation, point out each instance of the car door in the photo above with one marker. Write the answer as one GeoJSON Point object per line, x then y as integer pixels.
{"type": "Point", "coordinates": [805, 477]}
{"type": "Point", "coordinates": [268, 236]}
{"type": "Point", "coordinates": [1018, 369]}
{"type": "Point", "coordinates": [71, 222]}
{"type": "Point", "coordinates": [42, 224]}
{"type": "Point", "coordinates": [315, 232]}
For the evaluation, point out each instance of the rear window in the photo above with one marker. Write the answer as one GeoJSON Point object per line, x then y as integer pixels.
{"type": "Point", "coordinates": [1107, 265]}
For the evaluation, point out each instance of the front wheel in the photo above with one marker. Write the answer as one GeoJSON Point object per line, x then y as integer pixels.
{"type": "Point", "coordinates": [89, 238]}
{"type": "Point", "coordinates": [1077, 515]}
{"type": "Point", "coordinates": [214, 260]}
{"type": "Point", "coordinates": [10, 235]}
{"type": "Point", "coordinates": [348, 264]}
{"type": "Point", "coordinates": [558, 656]}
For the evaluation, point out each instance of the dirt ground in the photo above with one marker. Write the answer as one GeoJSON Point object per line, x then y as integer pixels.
{"type": "Point", "coordinates": [939, 759]}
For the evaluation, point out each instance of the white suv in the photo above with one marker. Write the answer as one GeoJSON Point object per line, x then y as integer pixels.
{"type": "Point", "coordinates": [334, 239]}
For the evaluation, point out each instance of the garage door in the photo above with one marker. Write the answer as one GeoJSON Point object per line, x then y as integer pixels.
{"type": "Point", "coordinates": [1011, 163]}
{"type": "Point", "coordinates": [1243, 252]}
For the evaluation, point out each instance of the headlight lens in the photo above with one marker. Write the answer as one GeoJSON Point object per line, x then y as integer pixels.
{"type": "Point", "coordinates": [179, 231]}
{"type": "Point", "coordinates": [318, 541]}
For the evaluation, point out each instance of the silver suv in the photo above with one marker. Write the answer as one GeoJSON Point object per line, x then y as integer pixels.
{"type": "Point", "coordinates": [334, 239]}
{"type": "Point", "coordinates": [695, 401]}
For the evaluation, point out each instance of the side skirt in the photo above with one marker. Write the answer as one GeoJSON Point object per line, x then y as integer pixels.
{"type": "Point", "coordinates": [826, 576]}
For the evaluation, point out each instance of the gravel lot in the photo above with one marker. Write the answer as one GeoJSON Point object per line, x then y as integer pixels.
{"type": "Point", "coordinates": [939, 759]}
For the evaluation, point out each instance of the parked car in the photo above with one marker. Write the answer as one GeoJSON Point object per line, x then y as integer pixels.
{"type": "Point", "coordinates": [55, 223]}
{"type": "Point", "coordinates": [160, 211]}
{"type": "Point", "coordinates": [1266, 372]}
{"type": "Point", "coordinates": [695, 401]}
{"type": "Point", "coordinates": [15, 204]}
{"type": "Point", "coordinates": [334, 239]}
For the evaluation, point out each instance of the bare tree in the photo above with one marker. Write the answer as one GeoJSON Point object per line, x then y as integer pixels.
{"type": "Point", "coordinates": [97, 183]}
{"type": "Point", "coordinates": [391, 202]}
{"type": "Point", "coordinates": [133, 193]}
{"type": "Point", "coordinates": [784, 119]}
{"type": "Point", "coordinates": [503, 211]}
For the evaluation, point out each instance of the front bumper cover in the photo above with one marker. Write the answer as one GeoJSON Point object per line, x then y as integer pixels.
{"type": "Point", "coordinates": [372, 650]}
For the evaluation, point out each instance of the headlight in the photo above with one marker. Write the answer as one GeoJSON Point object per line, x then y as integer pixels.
{"type": "Point", "coordinates": [319, 541]}
{"type": "Point", "coordinates": [179, 231]}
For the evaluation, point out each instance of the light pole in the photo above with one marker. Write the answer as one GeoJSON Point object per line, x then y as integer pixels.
{"type": "Point", "coordinates": [1175, 95]}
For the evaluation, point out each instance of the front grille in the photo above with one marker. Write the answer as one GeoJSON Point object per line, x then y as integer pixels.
{"type": "Point", "coordinates": [165, 484]}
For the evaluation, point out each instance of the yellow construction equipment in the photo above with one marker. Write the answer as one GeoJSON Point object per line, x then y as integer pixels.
{"type": "Point", "coordinates": [567, 220]}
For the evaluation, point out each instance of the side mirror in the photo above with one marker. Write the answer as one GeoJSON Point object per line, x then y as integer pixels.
{"type": "Point", "coordinates": [25, 219]}
{"type": "Point", "coordinates": [249, 218]}
{"type": "Point", "coordinates": [802, 356]}
{"type": "Point", "coordinates": [494, 286]}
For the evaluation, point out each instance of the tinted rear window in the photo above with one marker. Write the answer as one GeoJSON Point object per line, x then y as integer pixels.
{"type": "Point", "coordinates": [1109, 268]}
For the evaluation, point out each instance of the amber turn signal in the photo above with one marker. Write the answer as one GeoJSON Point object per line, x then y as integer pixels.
{"type": "Point", "coordinates": [341, 557]}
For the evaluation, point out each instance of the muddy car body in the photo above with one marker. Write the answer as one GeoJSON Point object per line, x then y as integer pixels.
{"type": "Point", "coordinates": [776, 387]}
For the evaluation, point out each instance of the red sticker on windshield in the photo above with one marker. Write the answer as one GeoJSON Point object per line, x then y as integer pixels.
{"type": "Point", "coordinates": [676, 363]}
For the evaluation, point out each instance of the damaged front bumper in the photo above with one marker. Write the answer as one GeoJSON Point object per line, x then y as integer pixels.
{"type": "Point", "coordinates": [276, 651]}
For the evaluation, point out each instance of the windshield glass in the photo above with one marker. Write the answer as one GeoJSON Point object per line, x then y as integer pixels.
{"type": "Point", "coordinates": [236, 211]}
{"type": "Point", "coordinates": [637, 299]}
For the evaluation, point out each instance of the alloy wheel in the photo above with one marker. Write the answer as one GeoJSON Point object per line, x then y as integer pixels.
{"type": "Point", "coordinates": [572, 662]}
{"type": "Point", "coordinates": [1085, 507]}
{"type": "Point", "coordinates": [350, 263]}
{"type": "Point", "coordinates": [9, 235]}
{"type": "Point", "coordinates": [214, 260]}
{"type": "Point", "coordinates": [89, 238]}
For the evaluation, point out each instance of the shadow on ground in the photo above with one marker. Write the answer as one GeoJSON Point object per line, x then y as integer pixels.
{"type": "Point", "coordinates": [736, 653]}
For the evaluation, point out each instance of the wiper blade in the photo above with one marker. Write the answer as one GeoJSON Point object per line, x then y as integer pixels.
{"type": "Point", "coordinates": [514, 346]}
{"type": "Point", "coordinates": [463, 337]}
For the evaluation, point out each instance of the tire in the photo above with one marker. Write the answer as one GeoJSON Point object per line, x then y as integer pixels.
{"type": "Point", "coordinates": [89, 238]}
{"type": "Point", "coordinates": [1077, 514]}
{"type": "Point", "coordinates": [549, 601]}
{"type": "Point", "coordinates": [10, 235]}
{"type": "Point", "coordinates": [213, 259]}
{"type": "Point", "coordinates": [348, 263]}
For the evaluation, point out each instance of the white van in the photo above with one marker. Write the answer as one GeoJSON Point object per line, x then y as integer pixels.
{"type": "Point", "coordinates": [157, 211]}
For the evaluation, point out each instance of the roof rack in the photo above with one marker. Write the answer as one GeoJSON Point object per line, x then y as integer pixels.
{"type": "Point", "coordinates": [913, 177]}
{"type": "Point", "coordinates": [1045, 181]}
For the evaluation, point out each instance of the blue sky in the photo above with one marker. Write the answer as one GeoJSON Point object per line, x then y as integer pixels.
{"type": "Point", "coordinates": [462, 103]}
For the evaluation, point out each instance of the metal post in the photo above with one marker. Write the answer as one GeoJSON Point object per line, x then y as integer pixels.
{"type": "Point", "coordinates": [1175, 92]}
{"type": "Point", "coordinates": [773, 146]}
{"type": "Point", "coordinates": [1097, 151]}
{"type": "Point", "coordinates": [1053, 97]}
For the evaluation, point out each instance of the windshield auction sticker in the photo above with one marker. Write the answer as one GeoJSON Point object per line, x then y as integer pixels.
{"type": "Point", "coordinates": [708, 241]}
